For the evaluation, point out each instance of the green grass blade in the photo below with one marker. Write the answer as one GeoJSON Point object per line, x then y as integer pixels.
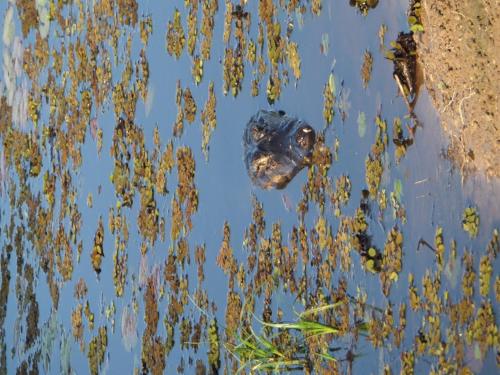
{"type": "Point", "coordinates": [320, 309]}
{"type": "Point", "coordinates": [326, 356]}
{"type": "Point", "coordinates": [306, 326]}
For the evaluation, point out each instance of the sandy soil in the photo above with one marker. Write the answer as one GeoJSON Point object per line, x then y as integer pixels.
{"type": "Point", "coordinates": [460, 54]}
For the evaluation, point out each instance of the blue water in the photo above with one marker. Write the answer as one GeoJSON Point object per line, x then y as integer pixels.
{"type": "Point", "coordinates": [434, 192]}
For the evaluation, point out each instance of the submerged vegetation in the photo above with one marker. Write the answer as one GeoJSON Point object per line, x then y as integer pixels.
{"type": "Point", "coordinates": [103, 210]}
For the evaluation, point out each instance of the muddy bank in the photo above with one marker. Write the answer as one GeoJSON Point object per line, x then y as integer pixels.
{"type": "Point", "coordinates": [459, 55]}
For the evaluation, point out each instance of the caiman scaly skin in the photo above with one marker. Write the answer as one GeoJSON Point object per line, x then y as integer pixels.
{"type": "Point", "coordinates": [276, 148]}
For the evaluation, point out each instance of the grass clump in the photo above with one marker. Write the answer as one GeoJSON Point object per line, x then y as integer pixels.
{"type": "Point", "coordinates": [290, 346]}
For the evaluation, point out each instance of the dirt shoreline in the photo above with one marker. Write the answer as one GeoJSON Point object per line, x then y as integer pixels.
{"type": "Point", "coordinates": [460, 57]}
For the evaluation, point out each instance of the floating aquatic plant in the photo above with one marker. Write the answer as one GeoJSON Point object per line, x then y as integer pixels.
{"type": "Point", "coordinates": [96, 350]}
{"type": "Point", "coordinates": [328, 101]}
{"type": "Point", "coordinates": [415, 16]}
{"type": "Point", "coordinates": [176, 38]}
{"type": "Point", "coordinates": [470, 221]}
{"type": "Point", "coordinates": [208, 119]}
{"type": "Point", "coordinates": [366, 68]}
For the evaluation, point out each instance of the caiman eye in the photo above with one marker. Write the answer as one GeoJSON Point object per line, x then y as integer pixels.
{"type": "Point", "coordinates": [258, 133]}
{"type": "Point", "coordinates": [305, 137]}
